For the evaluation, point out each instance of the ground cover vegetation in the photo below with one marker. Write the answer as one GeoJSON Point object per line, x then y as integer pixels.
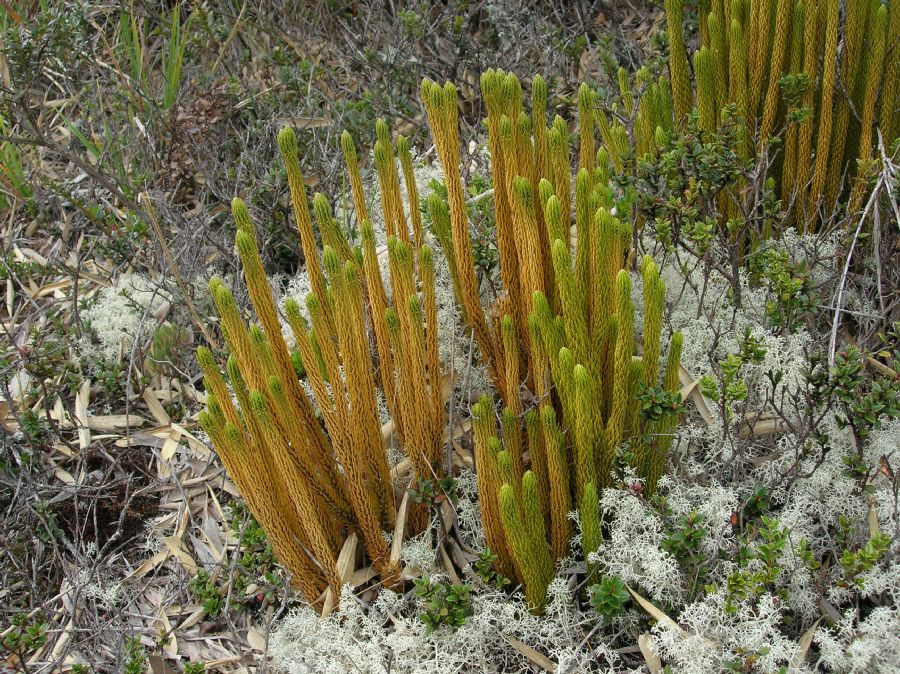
{"type": "Point", "coordinates": [459, 337]}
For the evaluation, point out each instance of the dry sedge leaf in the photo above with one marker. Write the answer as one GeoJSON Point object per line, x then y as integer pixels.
{"type": "Point", "coordinates": [654, 664]}
{"type": "Point", "coordinates": [158, 665]}
{"type": "Point", "coordinates": [195, 617]}
{"type": "Point", "coordinates": [329, 603]}
{"type": "Point", "coordinates": [305, 122]}
{"type": "Point", "coordinates": [533, 656]}
{"type": "Point", "coordinates": [402, 470]}
{"type": "Point", "coordinates": [169, 447]}
{"type": "Point", "coordinates": [63, 475]}
{"type": "Point", "coordinates": [397, 541]}
{"type": "Point", "coordinates": [82, 400]}
{"type": "Point", "coordinates": [148, 565]}
{"type": "Point", "coordinates": [63, 449]}
{"type": "Point", "coordinates": [655, 613]}
{"type": "Point", "coordinates": [448, 565]}
{"type": "Point", "coordinates": [387, 430]}
{"type": "Point", "coordinates": [199, 448]}
{"type": "Point", "coordinates": [141, 439]}
{"type": "Point", "coordinates": [690, 388]}
{"type": "Point", "coordinates": [213, 665]}
{"type": "Point", "coordinates": [256, 639]}
{"type": "Point", "coordinates": [874, 529]}
{"type": "Point", "coordinates": [166, 634]}
{"type": "Point", "coordinates": [361, 576]}
{"type": "Point", "coordinates": [183, 522]}
{"type": "Point", "coordinates": [63, 639]}
{"type": "Point", "coordinates": [803, 645]}
{"type": "Point", "coordinates": [176, 549]}
{"type": "Point", "coordinates": [51, 288]}
{"type": "Point", "coordinates": [347, 557]}
{"type": "Point", "coordinates": [113, 423]}
{"type": "Point", "coordinates": [211, 535]}
{"type": "Point", "coordinates": [762, 428]}
{"type": "Point", "coordinates": [156, 408]}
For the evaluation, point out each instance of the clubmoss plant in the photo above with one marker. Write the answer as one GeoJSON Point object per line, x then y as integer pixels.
{"type": "Point", "coordinates": [829, 120]}
{"type": "Point", "coordinates": [559, 341]}
{"type": "Point", "coordinates": [313, 471]}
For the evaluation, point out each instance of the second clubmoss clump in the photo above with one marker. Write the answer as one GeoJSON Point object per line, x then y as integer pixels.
{"type": "Point", "coordinates": [559, 342]}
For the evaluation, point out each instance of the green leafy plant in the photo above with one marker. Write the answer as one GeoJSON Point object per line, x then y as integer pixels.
{"type": "Point", "coordinates": [207, 593]}
{"type": "Point", "coordinates": [15, 184]}
{"type": "Point", "coordinates": [610, 597]}
{"type": "Point", "coordinates": [173, 57]}
{"type": "Point", "coordinates": [49, 530]}
{"type": "Point", "coordinates": [683, 541]}
{"type": "Point", "coordinates": [731, 389]}
{"type": "Point", "coordinates": [485, 568]}
{"type": "Point", "coordinates": [756, 504]}
{"type": "Point", "coordinates": [748, 581]}
{"type": "Point", "coordinates": [24, 636]}
{"type": "Point", "coordinates": [256, 565]}
{"type": "Point", "coordinates": [135, 656]}
{"type": "Point", "coordinates": [854, 563]}
{"type": "Point", "coordinates": [864, 403]}
{"type": "Point", "coordinates": [789, 286]}
{"type": "Point", "coordinates": [434, 492]}
{"type": "Point", "coordinates": [34, 427]}
{"type": "Point", "coordinates": [446, 604]}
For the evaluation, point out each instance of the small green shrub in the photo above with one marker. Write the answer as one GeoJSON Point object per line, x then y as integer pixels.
{"type": "Point", "coordinates": [610, 597]}
{"type": "Point", "coordinates": [485, 568]}
{"type": "Point", "coordinates": [135, 656]}
{"type": "Point", "coordinates": [207, 593]}
{"type": "Point", "coordinates": [25, 636]}
{"type": "Point", "coordinates": [446, 604]}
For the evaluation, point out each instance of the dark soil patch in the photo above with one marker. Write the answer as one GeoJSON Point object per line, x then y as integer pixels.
{"type": "Point", "coordinates": [113, 501]}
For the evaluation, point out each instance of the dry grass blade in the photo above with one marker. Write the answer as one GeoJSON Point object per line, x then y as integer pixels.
{"type": "Point", "coordinates": [301, 122]}
{"type": "Point", "coordinates": [691, 389]}
{"type": "Point", "coordinates": [656, 613]}
{"type": "Point", "coordinates": [803, 645]}
{"type": "Point", "coordinates": [82, 401]}
{"type": "Point", "coordinates": [654, 664]}
{"type": "Point", "coordinates": [533, 656]}
{"type": "Point", "coordinates": [399, 526]}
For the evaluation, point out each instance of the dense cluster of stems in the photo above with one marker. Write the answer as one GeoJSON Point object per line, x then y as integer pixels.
{"type": "Point", "coordinates": [825, 78]}
{"type": "Point", "coordinates": [559, 341]}
{"type": "Point", "coordinates": [314, 470]}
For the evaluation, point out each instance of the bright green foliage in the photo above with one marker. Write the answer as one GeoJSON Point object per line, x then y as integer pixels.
{"type": "Point", "coordinates": [446, 604]}
{"type": "Point", "coordinates": [855, 563]}
{"type": "Point", "coordinates": [788, 283]}
{"type": "Point", "coordinates": [484, 566]}
{"type": "Point", "coordinates": [610, 597]}
{"type": "Point", "coordinates": [207, 593]}
{"type": "Point", "coordinates": [749, 580]}
{"type": "Point", "coordinates": [683, 543]}
{"type": "Point", "coordinates": [24, 636]}
{"type": "Point", "coordinates": [434, 492]}
{"type": "Point", "coordinates": [135, 656]}
{"type": "Point", "coordinates": [729, 389]}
